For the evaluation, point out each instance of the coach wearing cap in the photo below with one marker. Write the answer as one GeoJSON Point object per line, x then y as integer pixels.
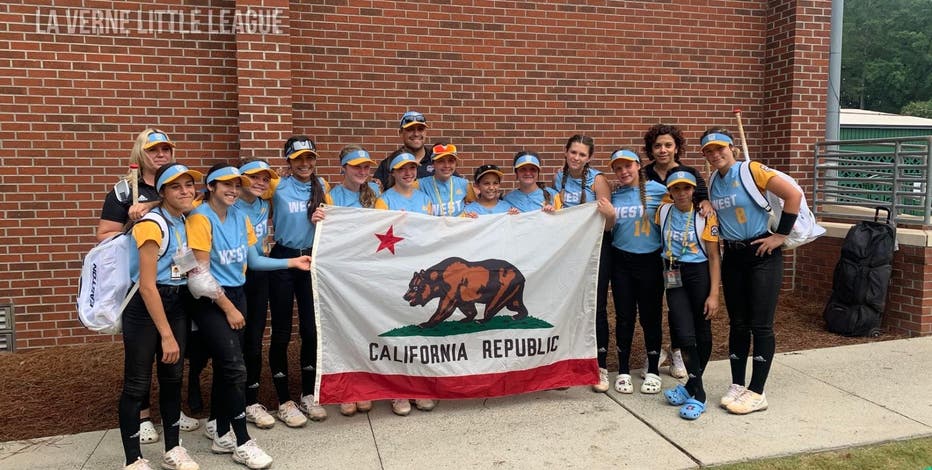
{"type": "Point", "coordinates": [413, 131]}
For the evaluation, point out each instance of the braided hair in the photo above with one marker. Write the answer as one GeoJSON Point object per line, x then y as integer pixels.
{"type": "Point", "coordinates": [316, 197]}
{"type": "Point", "coordinates": [588, 142]}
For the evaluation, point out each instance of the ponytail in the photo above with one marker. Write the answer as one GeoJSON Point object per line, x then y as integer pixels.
{"type": "Point", "coordinates": [317, 195]}
{"type": "Point", "coordinates": [642, 181]}
{"type": "Point", "coordinates": [367, 196]}
{"type": "Point", "coordinates": [548, 199]}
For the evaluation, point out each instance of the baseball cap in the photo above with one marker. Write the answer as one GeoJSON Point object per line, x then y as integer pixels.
{"type": "Point", "coordinates": [403, 159]}
{"type": "Point", "coordinates": [227, 173]}
{"type": "Point", "coordinates": [484, 169]}
{"type": "Point", "coordinates": [526, 158]}
{"type": "Point", "coordinates": [681, 177]}
{"type": "Point", "coordinates": [172, 173]}
{"type": "Point", "coordinates": [356, 157]}
{"type": "Point", "coordinates": [441, 151]}
{"type": "Point", "coordinates": [155, 138]}
{"type": "Point", "coordinates": [412, 118]}
{"type": "Point", "coordinates": [717, 139]}
{"type": "Point", "coordinates": [299, 147]}
{"type": "Point", "coordinates": [258, 166]}
{"type": "Point", "coordinates": [624, 154]}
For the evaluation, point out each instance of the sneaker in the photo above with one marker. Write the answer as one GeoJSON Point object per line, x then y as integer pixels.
{"type": "Point", "coordinates": [363, 406]}
{"type": "Point", "coordinates": [225, 444]}
{"type": "Point", "coordinates": [677, 367]}
{"type": "Point", "coordinates": [259, 415]}
{"type": "Point", "coordinates": [425, 404]}
{"type": "Point", "coordinates": [210, 429]}
{"type": "Point", "coordinates": [602, 386]}
{"type": "Point", "coordinates": [623, 384]}
{"type": "Point", "coordinates": [187, 423]}
{"type": "Point", "coordinates": [178, 459]}
{"type": "Point", "coordinates": [348, 409]}
{"type": "Point", "coordinates": [401, 406]}
{"type": "Point", "coordinates": [315, 412]}
{"type": "Point", "coordinates": [139, 464]}
{"type": "Point", "coordinates": [289, 414]}
{"type": "Point", "coordinates": [663, 358]}
{"type": "Point", "coordinates": [250, 455]}
{"type": "Point", "coordinates": [147, 433]}
{"type": "Point", "coordinates": [734, 391]}
{"type": "Point", "coordinates": [748, 402]}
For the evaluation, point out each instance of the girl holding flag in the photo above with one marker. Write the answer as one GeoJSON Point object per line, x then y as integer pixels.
{"type": "Point", "coordinates": [225, 244]}
{"type": "Point", "coordinates": [578, 183]}
{"type": "Point", "coordinates": [531, 194]}
{"type": "Point", "coordinates": [691, 261]}
{"type": "Point", "coordinates": [637, 269]}
{"type": "Point", "coordinates": [752, 265]}
{"type": "Point", "coordinates": [488, 179]}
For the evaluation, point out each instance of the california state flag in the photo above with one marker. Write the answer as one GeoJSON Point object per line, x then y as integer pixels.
{"type": "Point", "coordinates": [417, 306]}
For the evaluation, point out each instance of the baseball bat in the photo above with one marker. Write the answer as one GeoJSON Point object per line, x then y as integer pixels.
{"type": "Point", "coordinates": [134, 181]}
{"type": "Point", "coordinates": [744, 141]}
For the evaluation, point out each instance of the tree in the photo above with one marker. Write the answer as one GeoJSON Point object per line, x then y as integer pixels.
{"type": "Point", "coordinates": [918, 109]}
{"type": "Point", "coordinates": [886, 59]}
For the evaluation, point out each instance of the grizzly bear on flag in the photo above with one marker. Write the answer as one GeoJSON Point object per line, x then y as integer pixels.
{"type": "Point", "coordinates": [462, 284]}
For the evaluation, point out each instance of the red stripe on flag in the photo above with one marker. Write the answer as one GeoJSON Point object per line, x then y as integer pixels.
{"type": "Point", "coordinates": [359, 386]}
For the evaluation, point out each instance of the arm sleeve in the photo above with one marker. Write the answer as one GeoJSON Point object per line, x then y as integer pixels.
{"type": "Point", "coordinates": [199, 236]}
{"type": "Point", "coordinates": [257, 262]}
{"type": "Point", "coordinates": [702, 191]}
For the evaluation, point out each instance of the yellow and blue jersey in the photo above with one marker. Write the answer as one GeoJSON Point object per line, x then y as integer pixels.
{"type": "Point", "coordinates": [739, 217]}
{"type": "Point", "coordinates": [635, 230]}
{"type": "Point", "coordinates": [340, 196]}
{"type": "Point", "coordinates": [258, 213]}
{"type": "Point", "coordinates": [292, 227]}
{"type": "Point", "coordinates": [526, 202]}
{"type": "Point", "coordinates": [572, 193]}
{"type": "Point", "coordinates": [501, 207]}
{"type": "Point", "coordinates": [447, 197]}
{"type": "Point", "coordinates": [228, 242]}
{"type": "Point", "coordinates": [680, 236]}
{"type": "Point", "coordinates": [177, 237]}
{"type": "Point", "coordinates": [393, 200]}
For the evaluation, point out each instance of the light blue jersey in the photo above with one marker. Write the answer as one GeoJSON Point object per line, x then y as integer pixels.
{"type": "Point", "coordinates": [292, 227]}
{"type": "Point", "coordinates": [177, 237]}
{"type": "Point", "coordinates": [501, 207]}
{"type": "Point", "coordinates": [393, 200]}
{"type": "Point", "coordinates": [340, 196]}
{"type": "Point", "coordinates": [228, 242]}
{"type": "Point", "coordinates": [739, 217]}
{"type": "Point", "coordinates": [531, 202]}
{"type": "Point", "coordinates": [636, 231]}
{"type": "Point", "coordinates": [258, 213]}
{"type": "Point", "coordinates": [684, 233]}
{"type": "Point", "coordinates": [447, 198]}
{"type": "Point", "coordinates": [572, 193]}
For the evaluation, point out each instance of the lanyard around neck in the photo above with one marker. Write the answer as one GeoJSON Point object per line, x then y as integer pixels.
{"type": "Point", "coordinates": [440, 197]}
{"type": "Point", "coordinates": [685, 237]}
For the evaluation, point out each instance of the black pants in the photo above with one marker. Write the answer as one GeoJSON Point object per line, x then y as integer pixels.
{"type": "Point", "coordinates": [142, 345]}
{"type": "Point", "coordinates": [637, 288]}
{"type": "Point", "coordinates": [257, 307]}
{"type": "Point", "coordinates": [688, 326]}
{"type": "Point", "coordinates": [228, 390]}
{"type": "Point", "coordinates": [751, 284]}
{"type": "Point", "coordinates": [601, 298]}
{"type": "Point", "coordinates": [285, 286]}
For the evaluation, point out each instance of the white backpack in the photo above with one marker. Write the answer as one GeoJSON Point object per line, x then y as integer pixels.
{"type": "Point", "coordinates": [804, 230]}
{"type": "Point", "coordinates": [104, 288]}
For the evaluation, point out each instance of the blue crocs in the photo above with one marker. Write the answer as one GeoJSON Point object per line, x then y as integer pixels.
{"type": "Point", "coordinates": [676, 396]}
{"type": "Point", "coordinates": [692, 409]}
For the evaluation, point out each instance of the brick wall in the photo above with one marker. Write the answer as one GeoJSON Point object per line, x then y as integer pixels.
{"type": "Point", "coordinates": [909, 297]}
{"type": "Point", "coordinates": [491, 76]}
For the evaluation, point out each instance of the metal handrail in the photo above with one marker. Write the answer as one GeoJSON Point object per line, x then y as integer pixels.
{"type": "Point", "coordinates": [852, 175]}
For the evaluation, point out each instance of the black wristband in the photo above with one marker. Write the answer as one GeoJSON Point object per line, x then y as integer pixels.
{"type": "Point", "coordinates": [786, 223]}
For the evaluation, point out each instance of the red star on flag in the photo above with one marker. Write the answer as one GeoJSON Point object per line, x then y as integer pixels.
{"type": "Point", "coordinates": [388, 240]}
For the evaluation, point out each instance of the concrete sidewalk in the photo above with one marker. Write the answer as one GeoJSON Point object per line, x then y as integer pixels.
{"type": "Point", "coordinates": [819, 400]}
